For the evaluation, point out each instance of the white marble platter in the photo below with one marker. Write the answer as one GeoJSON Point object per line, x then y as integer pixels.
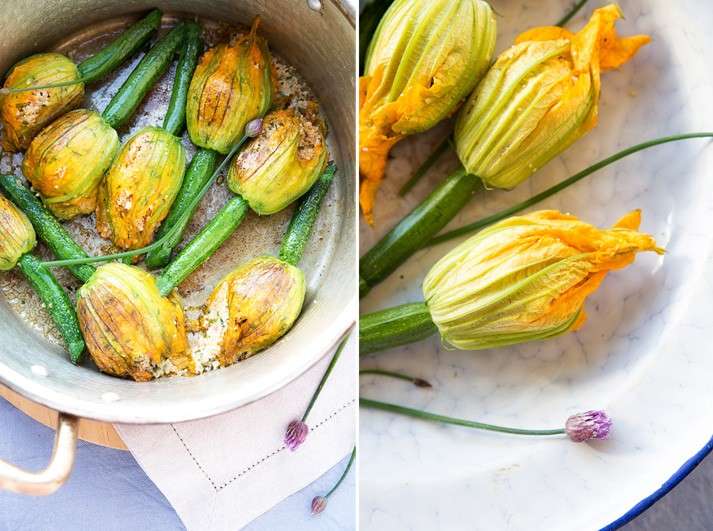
{"type": "Point", "coordinates": [645, 355]}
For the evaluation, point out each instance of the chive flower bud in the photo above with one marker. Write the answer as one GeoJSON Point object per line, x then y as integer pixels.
{"type": "Point", "coordinates": [588, 425]}
{"type": "Point", "coordinates": [296, 434]}
{"type": "Point", "coordinates": [319, 504]}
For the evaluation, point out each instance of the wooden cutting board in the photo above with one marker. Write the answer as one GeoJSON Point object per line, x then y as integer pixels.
{"type": "Point", "coordinates": [102, 433]}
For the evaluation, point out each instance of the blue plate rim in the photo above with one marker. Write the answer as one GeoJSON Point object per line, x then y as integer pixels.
{"type": "Point", "coordinates": [665, 488]}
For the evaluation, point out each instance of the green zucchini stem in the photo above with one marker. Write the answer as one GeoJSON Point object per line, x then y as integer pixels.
{"type": "Point", "coordinates": [199, 171]}
{"type": "Point", "coordinates": [202, 247]}
{"type": "Point", "coordinates": [47, 227]}
{"type": "Point", "coordinates": [175, 118]}
{"type": "Point", "coordinates": [56, 302]}
{"type": "Point", "coordinates": [302, 222]}
{"type": "Point", "coordinates": [537, 198]}
{"type": "Point", "coordinates": [419, 226]}
{"type": "Point", "coordinates": [116, 52]}
{"type": "Point", "coordinates": [395, 326]}
{"type": "Point", "coordinates": [434, 417]}
{"type": "Point", "coordinates": [152, 66]}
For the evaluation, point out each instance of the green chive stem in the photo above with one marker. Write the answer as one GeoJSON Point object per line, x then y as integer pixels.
{"type": "Point", "coordinates": [325, 376]}
{"type": "Point", "coordinates": [493, 218]}
{"type": "Point", "coordinates": [568, 16]}
{"type": "Point", "coordinates": [426, 165]}
{"type": "Point", "coordinates": [434, 417]}
{"type": "Point", "coordinates": [344, 474]}
{"type": "Point", "coordinates": [418, 382]}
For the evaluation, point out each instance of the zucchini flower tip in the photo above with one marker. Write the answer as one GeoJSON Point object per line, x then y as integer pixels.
{"type": "Point", "coordinates": [296, 434]}
{"type": "Point", "coordinates": [589, 425]}
{"type": "Point", "coordinates": [233, 83]}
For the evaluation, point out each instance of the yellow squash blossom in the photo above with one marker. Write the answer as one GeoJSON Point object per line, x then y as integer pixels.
{"type": "Point", "coordinates": [130, 329]}
{"type": "Point", "coordinates": [232, 84]}
{"type": "Point", "coordinates": [425, 57]}
{"type": "Point", "coordinates": [24, 114]}
{"type": "Point", "coordinates": [253, 306]}
{"type": "Point", "coordinates": [526, 278]}
{"type": "Point", "coordinates": [17, 236]}
{"type": "Point", "coordinates": [540, 96]}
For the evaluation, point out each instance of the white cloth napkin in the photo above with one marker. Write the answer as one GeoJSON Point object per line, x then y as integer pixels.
{"type": "Point", "coordinates": [221, 473]}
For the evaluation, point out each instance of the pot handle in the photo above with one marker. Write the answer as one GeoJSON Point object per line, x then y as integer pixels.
{"type": "Point", "coordinates": [53, 477]}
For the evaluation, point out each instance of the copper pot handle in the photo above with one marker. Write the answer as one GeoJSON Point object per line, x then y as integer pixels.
{"type": "Point", "coordinates": [53, 477]}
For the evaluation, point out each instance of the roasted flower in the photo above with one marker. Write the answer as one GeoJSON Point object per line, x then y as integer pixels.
{"type": "Point", "coordinates": [65, 163]}
{"type": "Point", "coordinates": [281, 164]}
{"type": "Point", "coordinates": [540, 96]}
{"type": "Point", "coordinates": [17, 236]}
{"type": "Point", "coordinates": [140, 187]}
{"type": "Point", "coordinates": [252, 307]}
{"type": "Point", "coordinates": [231, 85]}
{"type": "Point", "coordinates": [526, 278]}
{"type": "Point", "coordinates": [425, 57]}
{"type": "Point", "coordinates": [24, 114]}
{"type": "Point", "coordinates": [130, 329]}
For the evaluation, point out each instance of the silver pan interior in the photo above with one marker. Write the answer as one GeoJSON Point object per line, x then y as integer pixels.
{"type": "Point", "coordinates": [320, 44]}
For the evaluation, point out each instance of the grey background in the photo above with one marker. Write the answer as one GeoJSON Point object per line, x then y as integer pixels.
{"type": "Point", "coordinates": [109, 491]}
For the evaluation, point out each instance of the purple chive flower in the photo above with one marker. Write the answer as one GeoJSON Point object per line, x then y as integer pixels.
{"type": "Point", "coordinates": [588, 425]}
{"type": "Point", "coordinates": [296, 434]}
{"type": "Point", "coordinates": [319, 503]}
{"type": "Point", "coordinates": [253, 127]}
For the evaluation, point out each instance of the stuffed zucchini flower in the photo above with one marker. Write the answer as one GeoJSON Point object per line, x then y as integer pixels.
{"type": "Point", "coordinates": [66, 162]}
{"type": "Point", "coordinates": [281, 163]}
{"type": "Point", "coordinates": [232, 84]}
{"type": "Point", "coordinates": [252, 307]}
{"type": "Point", "coordinates": [526, 278]}
{"type": "Point", "coordinates": [17, 236]}
{"type": "Point", "coordinates": [130, 329]}
{"type": "Point", "coordinates": [140, 187]}
{"type": "Point", "coordinates": [24, 114]}
{"type": "Point", "coordinates": [424, 59]}
{"type": "Point", "coordinates": [540, 96]}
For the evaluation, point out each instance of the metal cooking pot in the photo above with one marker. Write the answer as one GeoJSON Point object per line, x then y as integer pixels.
{"type": "Point", "coordinates": [319, 39]}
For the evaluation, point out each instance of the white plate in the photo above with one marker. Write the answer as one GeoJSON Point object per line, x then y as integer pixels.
{"type": "Point", "coordinates": [644, 355]}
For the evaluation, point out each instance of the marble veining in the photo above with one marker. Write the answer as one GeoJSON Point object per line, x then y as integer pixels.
{"type": "Point", "coordinates": [643, 355]}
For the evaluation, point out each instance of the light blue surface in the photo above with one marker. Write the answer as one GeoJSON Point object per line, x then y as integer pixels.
{"type": "Point", "coordinates": [109, 491]}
